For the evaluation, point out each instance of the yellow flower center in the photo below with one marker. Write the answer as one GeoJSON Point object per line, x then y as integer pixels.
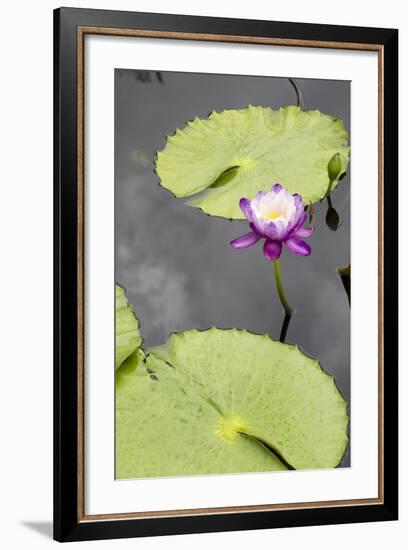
{"type": "Point", "coordinates": [272, 215]}
{"type": "Point", "coordinates": [229, 427]}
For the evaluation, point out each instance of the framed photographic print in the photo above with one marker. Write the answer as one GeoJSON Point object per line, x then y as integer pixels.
{"type": "Point", "coordinates": [225, 274]}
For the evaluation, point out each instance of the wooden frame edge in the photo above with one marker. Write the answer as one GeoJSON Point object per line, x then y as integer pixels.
{"type": "Point", "coordinates": [225, 510]}
{"type": "Point", "coordinates": [206, 37]}
{"type": "Point", "coordinates": [80, 272]}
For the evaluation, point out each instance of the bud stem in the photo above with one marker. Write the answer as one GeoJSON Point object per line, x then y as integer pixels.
{"type": "Point", "coordinates": [326, 195]}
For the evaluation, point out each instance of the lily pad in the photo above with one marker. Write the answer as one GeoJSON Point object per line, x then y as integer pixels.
{"type": "Point", "coordinates": [236, 153]}
{"type": "Point", "coordinates": [282, 397]}
{"type": "Point", "coordinates": [225, 401]}
{"type": "Point", "coordinates": [127, 336]}
{"type": "Point", "coordinates": [164, 428]}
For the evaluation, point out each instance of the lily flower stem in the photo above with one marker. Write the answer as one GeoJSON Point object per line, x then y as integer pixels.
{"type": "Point", "coordinates": [280, 289]}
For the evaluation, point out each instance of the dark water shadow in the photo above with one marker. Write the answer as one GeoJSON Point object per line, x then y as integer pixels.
{"type": "Point", "coordinates": [332, 216]}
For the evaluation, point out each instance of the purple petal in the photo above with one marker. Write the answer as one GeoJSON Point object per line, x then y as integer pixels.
{"type": "Point", "coordinates": [298, 219]}
{"type": "Point", "coordinates": [244, 241]}
{"type": "Point", "coordinates": [304, 231]}
{"type": "Point", "coordinates": [256, 227]}
{"type": "Point", "coordinates": [298, 247]}
{"type": "Point", "coordinates": [245, 206]}
{"type": "Point", "coordinates": [259, 195]}
{"type": "Point", "coordinates": [271, 231]}
{"type": "Point", "coordinates": [277, 187]}
{"type": "Point", "coordinates": [272, 250]}
{"type": "Point", "coordinates": [284, 231]}
{"type": "Point", "coordinates": [301, 220]}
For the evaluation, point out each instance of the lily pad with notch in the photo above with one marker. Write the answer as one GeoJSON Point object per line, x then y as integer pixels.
{"type": "Point", "coordinates": [214, 162]}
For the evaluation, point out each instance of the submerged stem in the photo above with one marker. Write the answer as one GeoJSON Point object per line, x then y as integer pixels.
{"type": "Point", "coordinates": [285, 326]}
{"type": "Point", "coordinates": [281, 291]}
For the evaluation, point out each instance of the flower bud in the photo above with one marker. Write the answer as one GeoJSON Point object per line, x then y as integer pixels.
{"type": "Point", "coordinates": [334, 167]}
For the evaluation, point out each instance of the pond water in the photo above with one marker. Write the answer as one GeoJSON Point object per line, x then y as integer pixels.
{"type": "Point", "coordinates": [176, 263]}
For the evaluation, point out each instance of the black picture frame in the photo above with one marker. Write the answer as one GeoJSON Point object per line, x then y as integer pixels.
{"type": "Point", "coordinates": [69, 525]}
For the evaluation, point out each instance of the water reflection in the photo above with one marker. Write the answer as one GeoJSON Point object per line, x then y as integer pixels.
{"type": "Point", "coordinates": [285, 326]}
{"type": "Point", "coordinates": [332, 216]}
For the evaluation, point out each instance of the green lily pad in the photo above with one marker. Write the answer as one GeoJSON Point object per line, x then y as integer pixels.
{"type": "Point", "coordinates": [282, 397]}
{"type": "Point", "coordinates": [164, 428]}
{"type": "Point", "coordinates": [225, 401]}
{"type": "Point", "coordinates": [236, 153]}
{"type": "Point", "coordinates": [127, 336]}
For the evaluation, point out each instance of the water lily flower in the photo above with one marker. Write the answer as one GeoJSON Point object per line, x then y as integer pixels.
{"type": "Point", "coordinates": [278, 217]}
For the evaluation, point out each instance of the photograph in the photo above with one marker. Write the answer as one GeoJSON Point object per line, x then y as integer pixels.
{"type": "Point", "coordinates": [232, 274]}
